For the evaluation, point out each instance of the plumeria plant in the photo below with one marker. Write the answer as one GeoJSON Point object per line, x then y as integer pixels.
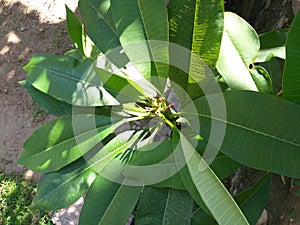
{"type": "Point", "coordinates": [159, 103]}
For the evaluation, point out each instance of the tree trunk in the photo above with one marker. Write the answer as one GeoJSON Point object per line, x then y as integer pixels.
{"type": "Point", "coordinates": [264, 15]}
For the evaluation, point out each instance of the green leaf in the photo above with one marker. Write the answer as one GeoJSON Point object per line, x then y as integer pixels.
{"type": "Point", "coordinates": [68, 80]}
{"type": "Point", "coordinates": [192, 189]}
{"type": "Point", "coordinates": [253, 200]}
{"type": "Point", "coordinates": [79, 38]}
{"type": "Point", "coordinates": [149, 158]}
{"type": "Point", "coordinates": [275, 72]}
{"type": "Point", "coordinates": [48, 103]}
{"type": "Point", "coordinates": [152, 153]}
{"type": "Point", "coordinates": [111, 161]}
{"type": "Point", "coordinates": [208, 185]}
{"type": "Point", "coordinates": [223, 166]}
{"type": "Point", "coordinates": [97, 17]}
{"type": "Point", "coordinates": [197, 26]}
{"type": "Point", "coordinates": [142, 28]}
{"type": "Point", "coordinates": [174, 182]}
{"type": "Point", "coordinates": [103, 162]}
{"type": "Point", "coordinates": [126, 85]}
{"type": "Point", "coordinates": [60, 189]}
{"type": "Point", "coordinates": [262, 79]}
{"type": "Point", "coordinates": [108, 203]}
{"type": "Point", "coordinates": [236, 56]}
{"type": "Point", "coordinates": [262, 131]}
{"type": "Point", "coordinates": [119, 86]}
{"type": "Point", "coordinates": [62, 141]}
{"type": "Point", "coordinates": [272, 44]}
{"type": "Point", "coordinates": [77, 55]}
{"type": "Point", "coordinates": [164, 206]}
{"type": "Point", "coordinates": [291, 77]}
{"type": "Point", "coordinates": [142, 168]}
{"type": "Point", "coordinates": [201, 218]}
{"type": "Point", "coordinates": [75, 29]}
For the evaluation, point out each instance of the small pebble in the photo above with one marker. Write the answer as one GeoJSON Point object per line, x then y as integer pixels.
{"type": "Point", "coordinates": [23, 29]}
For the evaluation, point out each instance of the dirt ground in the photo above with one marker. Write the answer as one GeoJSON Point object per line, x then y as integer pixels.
{"type": "Point", "coordinates": [29, 27]}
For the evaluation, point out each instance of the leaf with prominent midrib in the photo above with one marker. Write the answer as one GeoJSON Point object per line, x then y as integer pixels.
{"type": "Point", "coordinates": [161, 206]}
{"type": "Point", "coordinates": [197, 26]}
{"type": "Point", "coordinates": [62, 188]}
{"type": "Point", "coordinates": [77, 34]}
{"type": "Point", "coordinates": [291, 75]}
{"type": "Point", "coordinates": [62, 141]}
{"type": "Point", "coordinates": [151, 163]}
{"type": "Point", "coordinates": [108, 203]}
{"type": "Point", "coordinates": [236, 55]}
{"type": "Point", "coordinates": [252, 202]}
{"type": "Point", "coordinates": [68, 79]}
{"type": "Point", "coordinates": [97, 17]}
{"type": "Point", "coordinates": [75, 29]}
{"type": "Point", "coordinates": [210, 188]}
{"type": "Point", "coordinates": [76, 177]}
{"type": "Point", "coordinates": [142, 27]}
{"type": "Point", "coordinates": [262, 131]}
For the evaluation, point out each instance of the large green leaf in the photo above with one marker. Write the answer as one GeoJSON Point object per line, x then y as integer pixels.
{"type": "Point", "coordinates": [62, 141]}
{"type": "Point", "coordinates": [272, 44]}
{"type": "Point", "coordinates": [48, 103]}
{"type": "Point", "coordinates": [108, 203]}
{"type": "Point", "coordinates": [142, 28]}
{"type": "Point", "coordinates": [97, 17]}
{"type": "Point", "coordinates": [190, 186]}
{"type": "Point", "coordinates": [197, 26]}
{"type": "Point", "coordinates": [164, 206]}
{"type": "Point", "coordinates": [67, 79]}
{"type": "Point", "coordinates": [152, 161]}
{"type": "Point", "coordinates": [291, 75]}
{"type": "Point", "coordinates": [60, 108]}
{"type": "Point", "coordinates": [222, 165]}
{"type": "Point", "coordinates": [126, 84]}
{"type": "Point", "coordinates": [252, 202]}
{"type": "Point", "coordinates": [208, 185]}
{"type": "Point", "coordinates": [239, 49]}
{"type": "Point", "coordinates": [174, 181]}
{"type": "Point", "coordinates": [121, 87]}
{"type": "Point", "coordinates": [99, 161]}
{"type": "Point", "coordinates": [201, 218]}
{"type": "Point", "coordinates": [111, 161]}
{"type": "Point", "coordinates": [79, 38]}
{"type": "Point", "coordinates": [60, 189]}
{"type": "Point", "coordinates": [262, 131]}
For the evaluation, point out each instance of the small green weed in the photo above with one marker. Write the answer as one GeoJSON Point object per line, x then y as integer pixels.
{"type": "Point", "coordinates": [16, 195]}
{"type": "Point", "coordinates": [38, 114]}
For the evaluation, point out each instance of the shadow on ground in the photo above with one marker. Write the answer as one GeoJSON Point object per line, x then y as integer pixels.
{"type": "Point", "coordinates": [22, 35]}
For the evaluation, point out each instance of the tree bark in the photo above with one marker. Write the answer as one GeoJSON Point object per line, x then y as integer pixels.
{"type": "Point", "coordinates": [264, 15]}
